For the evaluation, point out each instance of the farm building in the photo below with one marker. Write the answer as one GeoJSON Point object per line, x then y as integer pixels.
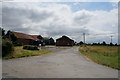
{"type": "Point", "coordinates": [64, 41]}
{"type": "Point", "coordinates": [24, 39]}
{"type": "Point", "coordinates": [49, 41]}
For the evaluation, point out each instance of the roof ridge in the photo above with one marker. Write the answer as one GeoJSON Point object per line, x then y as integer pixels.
{"type": "Point", "coordinates": [26, 36]}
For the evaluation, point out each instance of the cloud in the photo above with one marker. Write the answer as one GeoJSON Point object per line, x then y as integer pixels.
{"type": "Point", "coordinates": [56, 20]}
{"type": "Point", "coordinates": [82, 17]}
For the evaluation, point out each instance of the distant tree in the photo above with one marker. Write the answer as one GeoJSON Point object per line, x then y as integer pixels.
{"type": "Point", "coordinates": [89, 44]}
{"type": "Point", "coordinates": [104, 43]}
{"type": "Point", "coordinates": [94, 44]}
{"type": "Point", "coordinates": [116, 44]}
{"type": "Point", "coordinates": [111, 44]}
{"type": "Point", "coordinates": [75, 43]}
{"type": "Point", "coordinates": [81, 43]}
{"type": "Point", "coordinates": [98, 43]}
{"type": "Point", "coordinates": [2, 32]}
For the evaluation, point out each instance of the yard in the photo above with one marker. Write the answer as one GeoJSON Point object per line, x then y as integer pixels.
{"type": "Point", "coordinates": [20, 52]}
{"type": "Point", "coordinates": [105, 55]}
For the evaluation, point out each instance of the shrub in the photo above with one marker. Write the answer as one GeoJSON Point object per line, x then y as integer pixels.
{"type": "Point", "coordinates": [30, 47]}
{"type": "Point", "coordinates": [17, 43]}
{"type": "Point", "coordinates": [7, 47]}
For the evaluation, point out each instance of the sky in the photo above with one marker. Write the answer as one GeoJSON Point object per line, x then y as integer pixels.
{"type": "Point", "coordinates": [98, 20]}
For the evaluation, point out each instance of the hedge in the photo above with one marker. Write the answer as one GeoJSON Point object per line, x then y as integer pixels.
{"type": "Point", "coordinates": [7, 47]}
{"type": "Point", "coordinates": [30, 47]}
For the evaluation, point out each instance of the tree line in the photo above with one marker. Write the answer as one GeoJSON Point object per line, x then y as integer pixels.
{"type": "Point", "coordinates": [103, 43]}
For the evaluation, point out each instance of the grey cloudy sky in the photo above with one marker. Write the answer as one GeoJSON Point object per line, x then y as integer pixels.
{"type": "Point", "coordinates": [67, 18]}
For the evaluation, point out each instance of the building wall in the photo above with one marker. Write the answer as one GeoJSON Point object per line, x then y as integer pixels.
{"type": "Point", "coordinates": [49, 42]}
{"type": "Point", "coordinates": [64, 43]}
{"type": "Point", "coordinates": [24, 41]}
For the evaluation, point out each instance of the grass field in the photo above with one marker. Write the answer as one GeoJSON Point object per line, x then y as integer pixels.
{"type": "Point", "coordinates": [105, 55]}
{"type": "Point", "coordinates": [19, 52]}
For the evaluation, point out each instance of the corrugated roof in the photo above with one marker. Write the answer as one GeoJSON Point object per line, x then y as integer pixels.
{"type": "Point", "coordinates": [25, 36]}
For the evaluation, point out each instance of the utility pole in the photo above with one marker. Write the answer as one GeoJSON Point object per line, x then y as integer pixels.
{"type": "Point", "coordinates": [111, 38]}
{"type": "Point", "coordinates": [84, 38]}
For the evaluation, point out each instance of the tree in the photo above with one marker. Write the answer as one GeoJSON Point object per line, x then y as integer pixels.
{"type": "Point", "coordinates": [111, 44]}
{"type": "Point", "coordinates": [11, 36]}
{"type": "Point", "coordinates": [103, 43]}
{"type": "Point", "coordinates": [2, 32]}
{"type": "Point", "coordinates": [98, 43]}
{"type": "Point", "coordinates": [81, 43]}
{"type": "Point", "coordinates": [7, 47]}
{"type": "Point", "coordinates": [75, 43]}
{"type": "Point", "coordinates": [116, 44]}
{"type": "Point", "coordinates": [94, 44]}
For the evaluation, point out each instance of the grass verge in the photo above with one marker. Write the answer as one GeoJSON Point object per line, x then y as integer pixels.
{"type": "Point", "coordinates": [105, 55]}
{"type": "Point", "coordinates": [19, 52]}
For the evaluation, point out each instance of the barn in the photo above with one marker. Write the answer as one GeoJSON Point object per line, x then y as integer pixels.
{"type": "Point", "coordinates": [23, 39]}
{"type": "Point", "coordinates": [49, 41]}
{"type": "Point", "coordinates": [64, 41]}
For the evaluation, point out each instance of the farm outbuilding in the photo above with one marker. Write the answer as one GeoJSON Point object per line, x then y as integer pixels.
{"type": "Point", "coordinates": [23, 39]}
{"type": "Point", "coordinates": [49, 41]}
{"type": "Point", "coordinates": [64, 41]}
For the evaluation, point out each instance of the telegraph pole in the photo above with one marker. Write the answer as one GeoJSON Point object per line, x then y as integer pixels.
{"type": "Point", "coordinates": [84, 38]}
{"type": "Point", "coordinates": [111, 38]}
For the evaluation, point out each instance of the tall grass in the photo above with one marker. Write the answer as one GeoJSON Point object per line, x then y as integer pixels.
{"type": "Point", "coordinates": [105, 55]}
{"type": "Point", "coordinates": [20, 52]}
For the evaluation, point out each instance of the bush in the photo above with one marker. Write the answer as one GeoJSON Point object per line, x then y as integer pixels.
{"type": "Point", "coordinates": [30, 47]}
{"type": "Point", "coordinates": [17, 43]}
{"type": "Point", "coordinates": [7, 47]}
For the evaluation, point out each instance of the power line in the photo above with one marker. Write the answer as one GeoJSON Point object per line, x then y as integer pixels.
{"type": "Point", "coordinates": [95, 36]}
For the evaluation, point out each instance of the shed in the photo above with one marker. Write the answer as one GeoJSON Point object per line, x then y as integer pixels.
{"type": "Point", "coordinates": [64, 41]}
